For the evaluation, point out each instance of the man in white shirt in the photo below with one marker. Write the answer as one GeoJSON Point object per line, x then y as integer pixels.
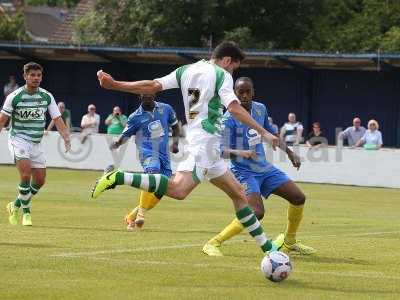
{"type": "Point", "coordinates": [292, 131]}
{"type": "Point", "coordinates": [206, 86]}
{"type": "Point", "coordinates": [90, 123]}
{"type": "Point", "coordinates": [353, 133]}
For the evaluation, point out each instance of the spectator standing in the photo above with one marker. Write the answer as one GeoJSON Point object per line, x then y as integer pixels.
{"type": "Point", "coordinates": [65, 116]}
{"type": "Point", "coordinates": [90, 123]}
{"type": "Point", "coordinates": [116, 121]}
{"type": "Point", "coordinates": [372, 139]}
{"type": "Point", "coordinates": [11, 86]}
{"type": "Point", "coordinates": [271, 123]}
{"type": "Point", "coordinates": [315, 138]}
{"type": "Point", "coordinates": [353, 133]}
{"type": "Point", "coordinates": [292, 131]}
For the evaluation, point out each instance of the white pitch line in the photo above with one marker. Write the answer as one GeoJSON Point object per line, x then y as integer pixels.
{"type": "Point", "coordinates": [127, 250]}
{"type": "Point", "coordinates": [194, 265]}
{"type": "Point", "coordinates": [182, 246]}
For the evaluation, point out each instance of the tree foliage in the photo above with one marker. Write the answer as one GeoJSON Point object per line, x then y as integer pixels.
{"type": "Point", "coordinates": [12, 28]}
{"type": "Point", "coordinates": [312, 25]}
{"type": "Point", "coordinates": [60, 3]}
{"type": "Point", "coordinates": [193, 23]}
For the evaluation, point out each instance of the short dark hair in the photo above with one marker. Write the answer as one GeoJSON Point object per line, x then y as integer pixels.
{"type": "Point", "coordinates": [244, 79]}
{"type": "Point", "coordinates": [32, 66]}
{"type": "Point", "coordinates": [316, 124]}
{"type": "Point", "coordinates": [230, 49]}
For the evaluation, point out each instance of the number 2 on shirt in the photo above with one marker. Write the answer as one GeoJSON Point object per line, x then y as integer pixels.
{"type": "Point", "coordinates": [194, 97]}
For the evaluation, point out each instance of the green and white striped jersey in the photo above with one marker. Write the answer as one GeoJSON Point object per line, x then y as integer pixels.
{"type": "Point", "coordinates": [28, 113]}
{"type": "Point", "coordinates": [206, 88]}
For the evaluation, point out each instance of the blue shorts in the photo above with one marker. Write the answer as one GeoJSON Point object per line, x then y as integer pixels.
{"type": "Point", "coordinates": [155, 165]}
{"type": "Point", "coordinates": [261, 183]}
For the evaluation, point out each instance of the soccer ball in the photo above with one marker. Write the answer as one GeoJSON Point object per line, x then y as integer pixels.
{"type": "Point", "coordinates": [276, 266]}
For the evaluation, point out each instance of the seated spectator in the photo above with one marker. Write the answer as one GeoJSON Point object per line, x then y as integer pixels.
{"type": "Point", "coordinates": [11, 86]}
{"type": "Point", "coordinates": [372, 139]}
{"type": "Point", "coordinates": [116, 121]}
{"type": "Point", "coordinates": [65, 115]}
{"type": "Point", "coordinates": [354, 133]}
{"type": "Point", "coordinates": [274, 126]}
{"type": "Point", "coordinates": [315, 138]}
{"type": "Point", "coordinates": [292, 131]}
{"type": "Point", "coordinates": [90, 123]}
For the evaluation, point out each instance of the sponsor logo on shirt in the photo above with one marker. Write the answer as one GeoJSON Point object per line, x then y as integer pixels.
{"type": "Point", "coordinates": [253, 137]}
{"type": "Point", "coordinates": [155, 128]}
{"type": "Point", "coordinates": [31, 113]}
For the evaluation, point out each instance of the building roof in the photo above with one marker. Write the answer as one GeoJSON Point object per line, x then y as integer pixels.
{"type": "Point", "coordinates": [42, 21]}
{"type": "Point", "coordinates": [64, 33]}
{"type": "Point", "coordinates": [176, 56]}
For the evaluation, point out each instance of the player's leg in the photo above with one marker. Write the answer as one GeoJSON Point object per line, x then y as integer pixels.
{"type": "Point", "coordinates": [20, 151]}
{"type": "Point", "coordinates": [292, 193]}
{"type": "Point", "coordinates": [212, 247]}
{"type": "Point", "coordinates": [24, 192]}
{"type": "Point", "coordinates": [252, 189]}
{"type": "Point", "coordinates": [178, 187]}
{"type": "Point", "coordinates": [147, 200]}
{"type": "Point", "coordinates": [228, 183]}
{"type": "Point", "coordinates": [37, 181]}
{"type": "Point", "coordinates": [38, 171]}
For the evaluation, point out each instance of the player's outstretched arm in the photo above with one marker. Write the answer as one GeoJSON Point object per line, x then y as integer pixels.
{"type": "Point", "coordinates": [3, 120]}
{"type": "Point", "coordinates": [136, 87]}
{"type": "Point", "coordinates": [64, 132]}
{"type": "Point", "coordinates": [243, 116]}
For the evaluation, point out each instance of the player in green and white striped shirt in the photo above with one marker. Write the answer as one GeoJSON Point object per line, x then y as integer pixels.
{"type": "Point", "coordinates": [26, 109]}
{"type": "Point", "coordinates": [207, 87]}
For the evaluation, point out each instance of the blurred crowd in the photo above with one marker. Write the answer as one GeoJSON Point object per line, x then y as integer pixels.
{"type": "Point", "coordinates": [291, 133]}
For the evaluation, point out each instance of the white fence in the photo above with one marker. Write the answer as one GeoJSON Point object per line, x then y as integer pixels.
{"type": "Point", "coordinates": [329, 165]}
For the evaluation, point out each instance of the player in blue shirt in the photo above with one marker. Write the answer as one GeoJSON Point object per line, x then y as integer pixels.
{"type": "Point", "coordinates": [150, 124]}
{"type": "Point", "coordinates": [259, 178]}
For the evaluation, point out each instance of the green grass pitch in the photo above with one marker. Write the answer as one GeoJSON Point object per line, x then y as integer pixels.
{"type": "Point", "coordinates": [79, 249]}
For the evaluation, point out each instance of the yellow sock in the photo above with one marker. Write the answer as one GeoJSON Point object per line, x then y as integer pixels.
{"type": "Point", "coordinates": [132, 215]}
{"type": "Point", "coordinates": [294, 215]}
{"type": "Point", "coordinates": [234, 228]}
{"type": "Point", "coordinates": [147, 200]}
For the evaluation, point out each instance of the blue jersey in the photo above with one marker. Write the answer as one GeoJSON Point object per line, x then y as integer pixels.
{"type": "Point", "coordinates": [151, 130]}
{"type": "Point", "coordinates": [239, 136]}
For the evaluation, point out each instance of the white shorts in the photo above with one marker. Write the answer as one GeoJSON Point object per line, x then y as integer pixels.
{"type": "Point", "coordinates": [23, 149]}
{"type": "Point", "coordinates": [204, 159]}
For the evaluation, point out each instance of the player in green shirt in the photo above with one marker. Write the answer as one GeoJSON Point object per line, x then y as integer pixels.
{"type": "Point", "coordinates": [65, 116]}
{"type": "Point", "coordinates": [26, 109]}
{"type": "Point", "coordinates": [116, 121]}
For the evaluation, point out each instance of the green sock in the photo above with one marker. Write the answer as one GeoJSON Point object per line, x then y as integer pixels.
{"type": "Point", "coordinates": [34, 188]}
{"type": "Point", "coordinates": [26, 206]}
{"type": "Point", "coordinates": [153, 183]}
{"type": "Point", "coordinates": [24, 197]}
{"type": "Point", "coordinates": [17, 203]}
{"type": "Point", "coordinates": [249, 221]}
